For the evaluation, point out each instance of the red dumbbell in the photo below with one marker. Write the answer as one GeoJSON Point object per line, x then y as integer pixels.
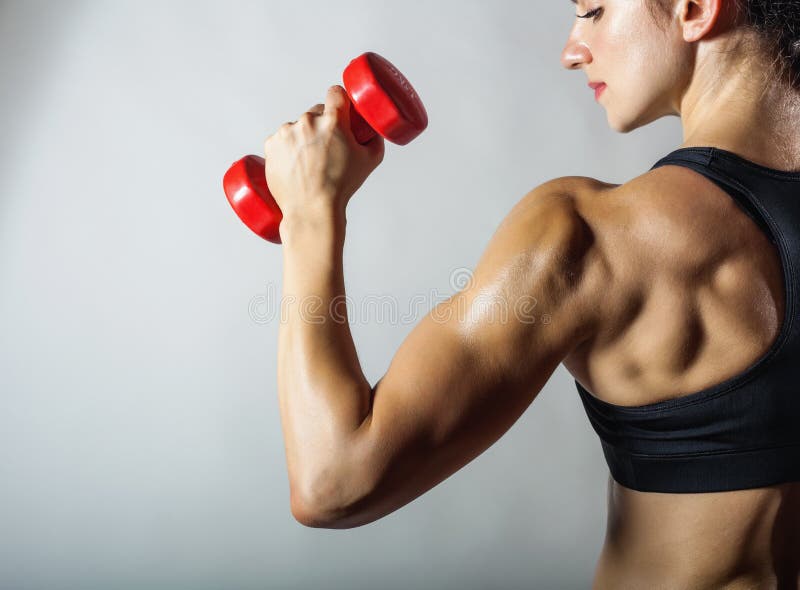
{"type": "Point", "coordinates": [381, 101]}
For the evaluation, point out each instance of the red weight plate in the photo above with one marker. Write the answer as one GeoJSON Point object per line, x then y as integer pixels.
{"type": "Point", "coordinates": [385, 98]}
{"type": "Point", "coordinates": [245, 185]}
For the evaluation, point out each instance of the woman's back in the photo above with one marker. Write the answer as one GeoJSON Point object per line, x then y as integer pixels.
{"type": "Point", "coordinates": [701, 298]}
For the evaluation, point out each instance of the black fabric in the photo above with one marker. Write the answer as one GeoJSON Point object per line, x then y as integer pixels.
{"type": "Point", "coordinates": [745, 431]}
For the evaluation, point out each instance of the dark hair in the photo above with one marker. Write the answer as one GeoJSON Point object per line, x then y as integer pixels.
{"type": "Point", "coordinates": [776, 24]}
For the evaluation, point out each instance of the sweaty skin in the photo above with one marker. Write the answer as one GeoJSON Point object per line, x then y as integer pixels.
{"type": "Point", "coordinates": [727, 540]}
{"type": "Point", "coordinates": [612, 272]}
{"type": "Point", "coordinates": [726, 318]}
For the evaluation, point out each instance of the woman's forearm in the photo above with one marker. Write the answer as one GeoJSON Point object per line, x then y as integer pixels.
{"type": "Point", "coordinates": [323, 394]}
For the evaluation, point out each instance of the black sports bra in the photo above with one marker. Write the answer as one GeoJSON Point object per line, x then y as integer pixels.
{"type": "Point", "coordinates": [745, 431]}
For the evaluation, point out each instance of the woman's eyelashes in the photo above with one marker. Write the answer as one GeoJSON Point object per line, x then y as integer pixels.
{"type": "Point", "coordinates": [590, 14]}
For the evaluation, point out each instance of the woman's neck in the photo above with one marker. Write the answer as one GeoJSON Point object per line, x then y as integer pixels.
{"type": "Point", "coordinates": [761, 126]}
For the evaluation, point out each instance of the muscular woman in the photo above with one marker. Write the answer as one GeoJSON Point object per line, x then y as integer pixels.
{"type": "Point", "coordinates": [673, 300]}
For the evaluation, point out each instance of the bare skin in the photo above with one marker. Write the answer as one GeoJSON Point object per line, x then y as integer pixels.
{"type": "Point", "coordinates": [613, 269]}
{"type": "Point", "coordinates": [737, 539]}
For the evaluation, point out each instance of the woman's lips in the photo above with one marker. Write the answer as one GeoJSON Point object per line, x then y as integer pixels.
{"type": "Point", "coordinates": [598, 88]}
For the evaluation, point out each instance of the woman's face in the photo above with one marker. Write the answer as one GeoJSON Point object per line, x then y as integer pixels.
{"type": "Point", "coordinates": [644, 67]}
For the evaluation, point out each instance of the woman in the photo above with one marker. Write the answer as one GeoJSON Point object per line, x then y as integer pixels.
{"type": "Point", "coordinates": [671, 299]}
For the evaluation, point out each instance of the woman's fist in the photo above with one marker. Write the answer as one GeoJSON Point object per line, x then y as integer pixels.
{"type": "Point", "coordinates": [316, 161]}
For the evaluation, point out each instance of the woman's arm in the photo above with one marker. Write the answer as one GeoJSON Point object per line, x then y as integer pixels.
{"type": "Point", "coordinates": [459, 381]}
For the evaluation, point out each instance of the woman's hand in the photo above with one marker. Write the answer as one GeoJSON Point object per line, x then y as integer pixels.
{"type": "Point", "coordinates": [315, 164]}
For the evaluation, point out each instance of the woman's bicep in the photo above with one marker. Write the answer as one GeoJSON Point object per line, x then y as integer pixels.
{"type": "Point", "coordinates": [470, 368]}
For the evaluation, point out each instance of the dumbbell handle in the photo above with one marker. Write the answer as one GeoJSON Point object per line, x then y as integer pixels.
{"type": "Point", "coordinates": [361, 129]}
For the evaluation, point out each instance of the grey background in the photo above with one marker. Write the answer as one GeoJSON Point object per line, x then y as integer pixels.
{"type": "Point", "coordinates": [140, 439]}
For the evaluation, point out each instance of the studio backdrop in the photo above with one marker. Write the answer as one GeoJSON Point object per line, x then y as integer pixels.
{"type": "Point", "coordinates": [140, 437]}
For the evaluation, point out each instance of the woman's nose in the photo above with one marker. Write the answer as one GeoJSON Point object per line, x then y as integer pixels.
{"type": "Point", "coordinates": [574, 55]}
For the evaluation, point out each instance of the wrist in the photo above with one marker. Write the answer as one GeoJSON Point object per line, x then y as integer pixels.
{"type": "Point", "coordinates": [323, 221]}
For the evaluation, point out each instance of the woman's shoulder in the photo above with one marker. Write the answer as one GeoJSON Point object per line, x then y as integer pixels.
{"type": "Point", "coordinates": [669, 219]}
